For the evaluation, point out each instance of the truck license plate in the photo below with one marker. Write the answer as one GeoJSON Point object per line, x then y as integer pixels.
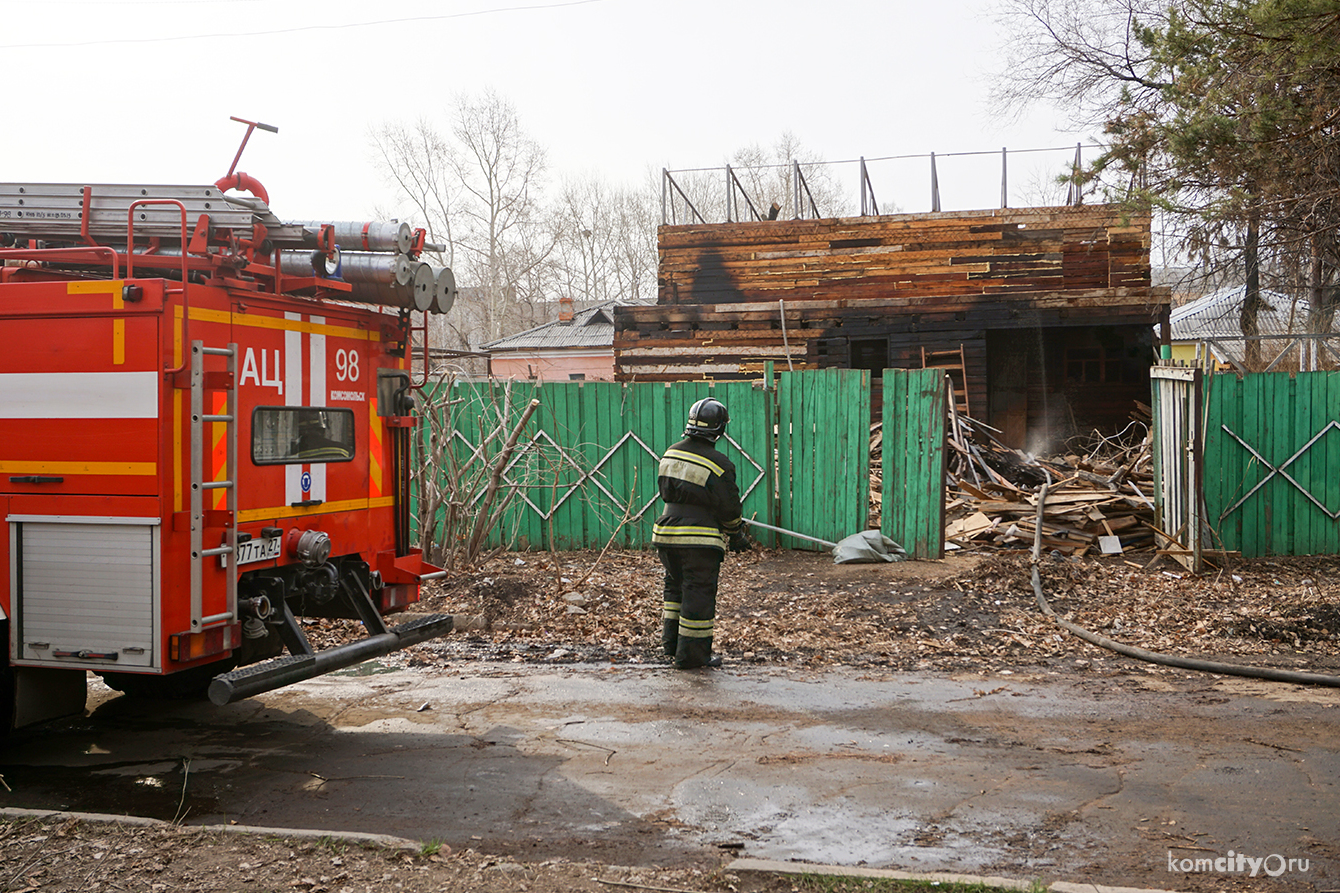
{"type": "Point", "coordinates": [260, 549]}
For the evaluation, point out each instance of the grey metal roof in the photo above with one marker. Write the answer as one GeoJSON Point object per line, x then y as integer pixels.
{"type": "Point", "coordinates": [591, 328]}
{"type": "Point", "coordinates": [1216, 319]}
{"type": "Point", "coordinates": [1219, 315]}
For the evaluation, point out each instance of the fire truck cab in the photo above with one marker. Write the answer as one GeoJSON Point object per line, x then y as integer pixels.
{"type": "Point", "coordinates": [205, 418]}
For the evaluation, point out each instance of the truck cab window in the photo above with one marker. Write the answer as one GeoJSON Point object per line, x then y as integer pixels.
{"type": "Point", "coordinates": [285, 435]}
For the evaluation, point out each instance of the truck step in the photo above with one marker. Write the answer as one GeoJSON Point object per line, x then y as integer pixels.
{"type": "Point", "coordinates": [271, 674]}
{"type": "Point", "coordinates": [423, 622]}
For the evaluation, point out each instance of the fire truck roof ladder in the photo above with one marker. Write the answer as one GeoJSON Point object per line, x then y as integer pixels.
{"type": "Point", "coordinates": [73, 212]}
{"type": "Point", "coordinates": [201, 382]}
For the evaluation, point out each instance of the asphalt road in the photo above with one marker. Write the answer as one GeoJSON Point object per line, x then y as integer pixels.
{"type": "Point", "coordinates": [1120, 779]}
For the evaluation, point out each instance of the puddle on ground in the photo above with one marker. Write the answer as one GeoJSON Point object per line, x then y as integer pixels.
{"type": "Point", "coordinates": [169, 791]}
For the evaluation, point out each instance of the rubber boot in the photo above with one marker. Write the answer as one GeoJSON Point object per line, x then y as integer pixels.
{"type": "Point", "coordinates": [694, 653]}
{"type": "Point", "coordinates": [670, 634]}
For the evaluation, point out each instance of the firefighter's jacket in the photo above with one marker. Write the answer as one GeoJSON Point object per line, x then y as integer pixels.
{"type": "Point", "coordinates": [702, 501]}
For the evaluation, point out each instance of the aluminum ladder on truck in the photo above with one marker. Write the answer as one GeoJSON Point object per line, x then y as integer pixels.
{"type": "Point", "coordinates": [201, 381]}
{"type": "Point", "coordinates": [71, 212]}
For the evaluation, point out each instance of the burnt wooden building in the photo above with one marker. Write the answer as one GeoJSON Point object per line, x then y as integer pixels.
{"type": "Point", "coordinates": [1045, 316]}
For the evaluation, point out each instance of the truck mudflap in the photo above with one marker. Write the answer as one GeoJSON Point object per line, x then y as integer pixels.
{"type": "Point", "coordinates": [259, 678]}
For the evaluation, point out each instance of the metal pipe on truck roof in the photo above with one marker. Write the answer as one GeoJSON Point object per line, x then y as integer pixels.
{"type": "Point", "coordinates": [444, 293]}
{"type": "Point", "coordinates": [391, 279]}
{"type": "Point", "coordinates": [371, 235]}
{"type": "Point", "coordinates": [424, 287]}
{"type": "Point", "coordinates": [382, 279]}
{"type": "Point", "coordinates": [366, 268]}
{"type": "Point", "coordinates": [309, 263]}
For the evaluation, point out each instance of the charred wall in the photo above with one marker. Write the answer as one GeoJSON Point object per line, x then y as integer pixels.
{"type": "Point", "coordinates": [861, 292]}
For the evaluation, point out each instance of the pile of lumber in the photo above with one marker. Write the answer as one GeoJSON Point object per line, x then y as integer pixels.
{"type": "Point", "coordinates": [1098, 502]}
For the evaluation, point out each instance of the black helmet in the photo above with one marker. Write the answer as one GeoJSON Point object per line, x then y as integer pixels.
{"type": "Point", "coordinates": [707, 419]}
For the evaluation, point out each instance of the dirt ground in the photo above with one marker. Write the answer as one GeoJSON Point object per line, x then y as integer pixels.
{"type": "Point", "coordinates": [967, 612]}
{"type": "Point", "coordinates": [70, 856]}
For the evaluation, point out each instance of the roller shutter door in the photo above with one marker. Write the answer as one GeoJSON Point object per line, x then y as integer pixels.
{"type": "Point", "coordinates": [87, 590]}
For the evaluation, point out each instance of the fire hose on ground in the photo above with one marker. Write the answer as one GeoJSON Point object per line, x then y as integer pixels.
{"type": "Point", "coordinates": [1167, 660]}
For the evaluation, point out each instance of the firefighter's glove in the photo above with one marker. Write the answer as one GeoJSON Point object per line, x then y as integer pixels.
{"type": "Point", "coordinates": [739, 542]}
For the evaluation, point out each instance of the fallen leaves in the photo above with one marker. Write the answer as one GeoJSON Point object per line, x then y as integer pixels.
{"type": "Point", "coordinates": [971, 611]}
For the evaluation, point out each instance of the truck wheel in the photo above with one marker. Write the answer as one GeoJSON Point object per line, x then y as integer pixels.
{"type": "Point", "coordinates": [182, 685]}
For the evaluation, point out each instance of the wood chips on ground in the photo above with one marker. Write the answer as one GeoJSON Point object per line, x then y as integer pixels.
{"type": "Point", "coordinates": [969, 611]}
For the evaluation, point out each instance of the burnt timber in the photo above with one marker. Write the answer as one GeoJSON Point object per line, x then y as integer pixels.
{"type": "Point", "coordinates": [1051, 310]}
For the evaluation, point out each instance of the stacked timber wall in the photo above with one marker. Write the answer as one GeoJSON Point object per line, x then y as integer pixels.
{"type": "Point", "coordinates": [933, 281]}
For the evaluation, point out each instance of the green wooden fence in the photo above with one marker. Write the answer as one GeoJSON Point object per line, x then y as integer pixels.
{"type": "Point", "coordinates": [1272, 462]}
{"type": "Point", "coordinates": [587, 473]}
{"type": "Point", "coordinates": [823, 453]}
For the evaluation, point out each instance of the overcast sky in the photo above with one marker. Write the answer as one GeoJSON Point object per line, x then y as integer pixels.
{"type": "Point", "coordinates": [140, 91]}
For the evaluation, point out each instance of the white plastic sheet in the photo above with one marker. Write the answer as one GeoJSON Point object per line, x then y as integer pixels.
{"type": "Point", "coordinates": [868, 546]}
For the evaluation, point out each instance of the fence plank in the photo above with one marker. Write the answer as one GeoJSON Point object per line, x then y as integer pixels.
{"type": "Point", "coordinates": [525, 523]}
{"type": "Point", "coordinates": [806, 472]}
{"type": "Point", "coordinates": [1279, 428]}
{"type": "Point", "coordinates": [847, 460]}
{"type": "Point", "coordinates": [1281, 431]}
{"type": "Point", "coordinates": [1304, 512]}
{"type": "Point", "coordinates": [591, 443]}
{"type": "Point", "coordinates": [1327, 411]}
{"type": "Point", "coordinates": [611, 430]}
{"type": "Point", "coordinates": [857, 401]}
{"type": "Point", "coordinates": [653, 403]}
{"type": "Point", "coordinates": [802, 455]}
{"type": "Point", "coordinates": [622, 472]}
{"type": "Point", "coordinates": [1324, 468]}
{"type": "Point", "coordinates": [1250, 428]}
{"type": "Point", "coordinates": [572, 525]}
{"type": "Point", "coordinates": [830, 474]}
{"type": "Point", "coordinates": [786, 416]}
{"type": "Point", "coordinates": [1243, 463]}
{"type": "Point", "coordinates": [786, 458]}
{"type": "Point", "coordinates": [1224, 459]}
{"type": "Point", "coordinates": [893, 494]}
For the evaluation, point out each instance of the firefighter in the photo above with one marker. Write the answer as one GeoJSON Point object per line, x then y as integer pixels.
{"type": "Point", "coordinates": [315, 441]}
{"type": "Point", "coordinates": [702, 515]}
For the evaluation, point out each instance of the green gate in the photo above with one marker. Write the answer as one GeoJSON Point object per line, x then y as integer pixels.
{"type": "Point", "coordinates": [1272, 462]}
{"type": "Point", "coordinates": [823, 453]}
{"type": "Point", "coordinates": [913, 503]}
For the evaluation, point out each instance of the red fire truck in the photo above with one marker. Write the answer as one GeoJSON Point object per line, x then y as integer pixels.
{"type": "Point", "coordinates": [205, 417]}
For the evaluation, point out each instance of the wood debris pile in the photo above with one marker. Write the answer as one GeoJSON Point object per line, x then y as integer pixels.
{"type": "Point", "coordinates": [1099, 501]}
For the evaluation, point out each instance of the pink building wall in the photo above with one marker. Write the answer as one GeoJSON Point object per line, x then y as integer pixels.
{"type": "Point", "coordinates": [596, 366]}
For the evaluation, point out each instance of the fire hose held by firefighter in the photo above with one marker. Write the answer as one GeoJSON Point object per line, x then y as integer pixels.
{"type": "Point", "coordinates": [702, 518]}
